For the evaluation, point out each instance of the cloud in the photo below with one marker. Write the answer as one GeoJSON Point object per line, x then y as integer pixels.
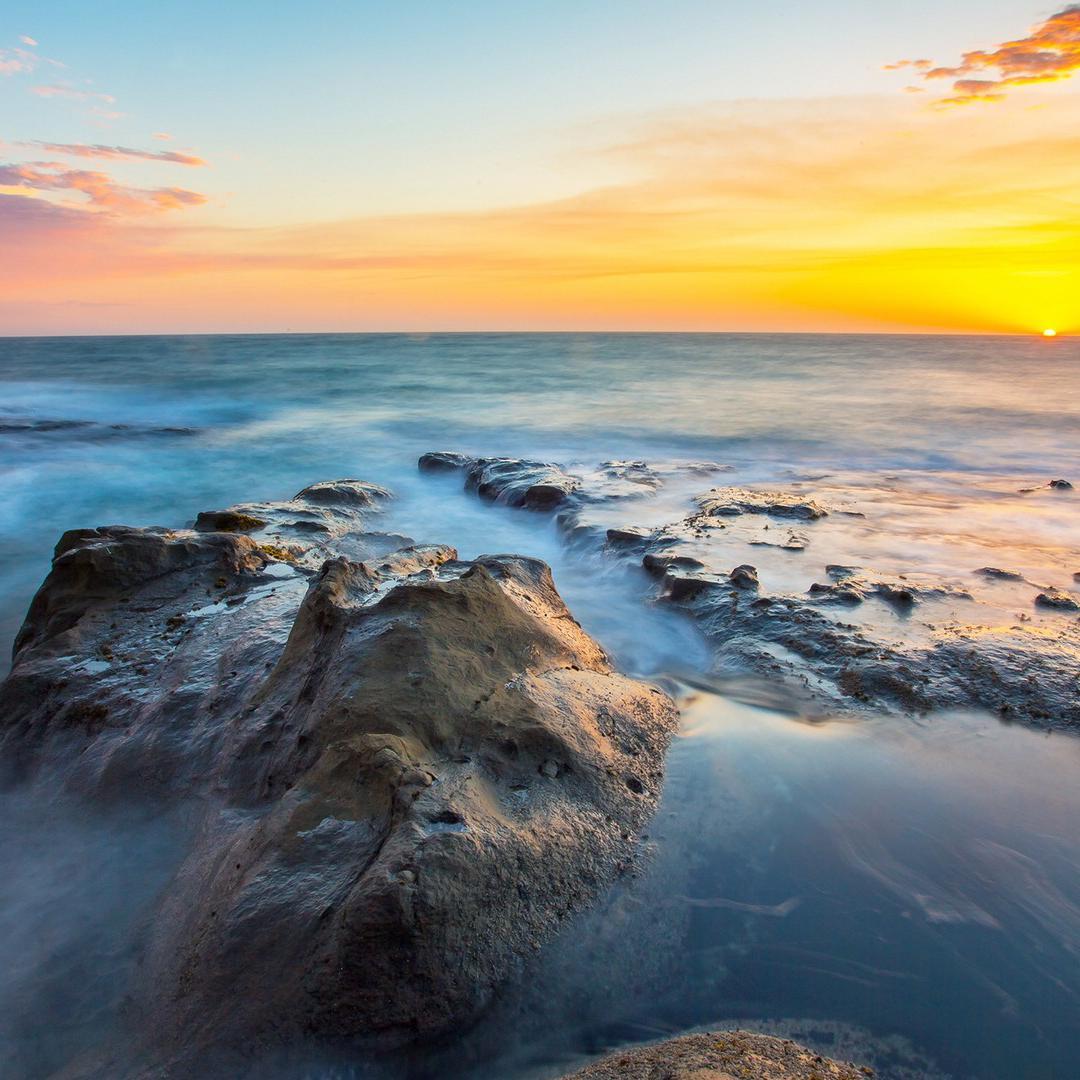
{"type": "Point", "coordinates": [118, 153]}
{"type": "Point", "coordinates": [102, 192]}
{"type": "Point", "coordinates": [27, 40]}
{"type": "Point", "coordinates": [17, 61]}
{"type": "Point", "coordinates": [163, 136]}
{"type": "Point", "coordinates": [1049, 53]}
{"type": "Point", "coordinates": [55, 90]}
{"type": "Point", "coordinates": [813, 215]}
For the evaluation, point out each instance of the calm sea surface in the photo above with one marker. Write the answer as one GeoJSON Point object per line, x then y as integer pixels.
{"type": "Point", "coordinates": [914, 885]}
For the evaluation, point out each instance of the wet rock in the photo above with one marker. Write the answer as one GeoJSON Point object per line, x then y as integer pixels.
{"type": "Point", "coordinates": [410, 769]}
{"type": "Point", "coordinates": [325, 519]}
{"type": "Point", "coordinates": [535, 485]}
{"type": "Point", "coordinates": [629, 538]}
{"type": "Point", "coordinates": [444, 461]}
{"type": "Point", "coordinates": [731, 502]}
{"type": "Point", "coordinates": [744, 577]}
{"type": "Point", "coordinates": [1061, 485]}
{"type": "Point", "coordinates": [1057, 600]}
{"type": "Point", "coordinates": [659, 563]}
{"type": "Point", "coordinates": [228, 521]}
{"type": "Point", "coordinates": [353, 493]}
{"type": "Point", "coordinates": [995, 573]}
{"type": "Point", "coordinates": [844, 665]}
{"type": "Point", "coordinates": [720, 1055]}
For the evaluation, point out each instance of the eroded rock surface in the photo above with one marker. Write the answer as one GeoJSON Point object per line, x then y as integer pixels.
{"type": "Point", "coordinates": [409, 769]}
{"type": "Point", "coordinates": [721, 1055]}
{"type": "Point", "coordinates": [852, 637]}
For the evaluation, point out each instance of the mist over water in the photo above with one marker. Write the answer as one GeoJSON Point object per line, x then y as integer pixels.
{"type": "Point", "coordinates": [907, 890]}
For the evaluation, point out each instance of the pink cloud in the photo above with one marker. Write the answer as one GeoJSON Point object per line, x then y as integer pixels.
{"type": "Point", "coordinates": [102, 192]}
{"type": "Point", "coordinates": [17, 61]}
{"type": "Point", "coordinates": [27, 40]}
{"type": "Point", "coordinates": [1049, 53]}
{"type": "Point", "coordinates": [118, 153]}
{"type": "Point", "coordinates": [164, 136]}
{"type": "Point", "coordinates": [56, 91]}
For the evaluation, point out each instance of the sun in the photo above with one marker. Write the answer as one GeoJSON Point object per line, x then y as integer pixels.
{"type": "Point", "coordinates": [1049, 333]}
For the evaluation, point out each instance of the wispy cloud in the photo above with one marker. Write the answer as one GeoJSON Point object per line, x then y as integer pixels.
{"type": "Point", "coordinates": [17, 61]}
{"type": "Point", "coordinates": [100, 190]}
{"type": "Point", "coordinates": [72, 93]}
{"type": "Point", "coordinates": [118, 153]}
{"type": "Point", "coordinates": [26, 39]}
{"type": "Point", "coordinates": [1049, 53]}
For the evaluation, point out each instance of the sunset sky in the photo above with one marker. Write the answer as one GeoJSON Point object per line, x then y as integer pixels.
{"type": "Point", "coordinates": [597, 164]}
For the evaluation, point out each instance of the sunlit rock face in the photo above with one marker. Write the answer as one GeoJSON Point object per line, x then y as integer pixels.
{"type": "Point", "coordinates": [765, 574]}
{"type": "Point", "coordinates": [717, 1055]}
{"type": "Point", "coordinates": [406, 769]}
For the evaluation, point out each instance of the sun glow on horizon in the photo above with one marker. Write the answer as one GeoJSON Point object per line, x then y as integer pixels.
{"type": "Point", "coordinates": [1049, 333]}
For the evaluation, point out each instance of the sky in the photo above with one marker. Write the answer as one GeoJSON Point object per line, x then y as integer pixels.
{"type": "Point", "coordinates": [598, 164]}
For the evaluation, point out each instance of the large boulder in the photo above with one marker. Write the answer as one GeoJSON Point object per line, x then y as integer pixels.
{"type": "Point", "coordinates": [407, 771]}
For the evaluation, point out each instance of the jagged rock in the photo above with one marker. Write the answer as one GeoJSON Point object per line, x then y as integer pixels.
{"type": "Point", "coordinates": [325, 519]}
{"type": "Point", "coordinates": [842, 664]}
{"type": "Point", "coordinates": [410, 769]}
{"type": "Point", "coordinates": [720, 1055]}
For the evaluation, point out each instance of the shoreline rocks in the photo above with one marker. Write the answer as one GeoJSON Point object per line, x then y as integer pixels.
{"type": "Point", "coordinates": [405, 771]}
{"type": "Point", "coordinates": [860, 640]}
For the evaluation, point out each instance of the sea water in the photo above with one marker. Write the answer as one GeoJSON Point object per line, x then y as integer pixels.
{"type": "Point", "coordinates": [910, 887]}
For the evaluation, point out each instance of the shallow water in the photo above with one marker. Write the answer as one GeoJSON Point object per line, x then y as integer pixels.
{"type": "Point", "coordinates": [905, 879]}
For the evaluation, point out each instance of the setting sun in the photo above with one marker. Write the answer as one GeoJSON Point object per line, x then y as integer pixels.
{"type": "Point", "coordinates": [1049, 333]}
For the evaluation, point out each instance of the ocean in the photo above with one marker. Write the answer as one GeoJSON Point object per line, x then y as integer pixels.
{"type": "Point", "coordinates": [894, 886]}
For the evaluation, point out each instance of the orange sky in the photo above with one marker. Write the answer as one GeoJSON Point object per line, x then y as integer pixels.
{"type": "Point", "coordinates": [861, 212]}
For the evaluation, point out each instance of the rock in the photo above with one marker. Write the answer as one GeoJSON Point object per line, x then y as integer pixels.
{"type": "Point", "coordinates": [997, 574]}
{"type": "Point", "coordinates": [1057, 600]}
{"type": "Point", "coordinates": [228, 521]}
{"type": "Point", "coordinates": [409, 771]}
{"type": "Point", "coordinates": [325, 519]}
{"type": "Point", "coordinates": [720, 1055]}
{"type": "Point", "coordinates": [511, 481]}
{"type": "Point", "coordinates": [629, 537]}
{"type": "Point", "coordinates": [744, 577]}
{"type": "Point", "coordinates": [731, 502]}
{"type": "Point", "coordinates": [444, 461]}
{"type": "Point", "coordinates": [354, 493]}
{"type": "Point", "coordinates": [660, 563]}
{"type": "Point", "coordinates": [1061, 485]}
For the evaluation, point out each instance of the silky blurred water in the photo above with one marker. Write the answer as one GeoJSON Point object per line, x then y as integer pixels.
{"type": "Point", "coordinates": [936, 867]}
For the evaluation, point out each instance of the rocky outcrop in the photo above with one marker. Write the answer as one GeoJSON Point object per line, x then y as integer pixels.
{"type": "Point", "coordinates": [325, 519]}
{"type": "Point", "coordinates": [858, 638]}
{"type": "Point", "coordinates": [721, 1055]}
{"type": "Point", "coordinates": [408, 770]}
{"type": "Point", "coordinates": [511, 481]}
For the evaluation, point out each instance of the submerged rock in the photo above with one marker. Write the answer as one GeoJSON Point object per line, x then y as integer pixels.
{"type": "Point", "coordinates": [720, 1055]}
{"type": "Point", "coordinates": [1061, 485]}
{"type": "Point", "coordinates": [409, 769]}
